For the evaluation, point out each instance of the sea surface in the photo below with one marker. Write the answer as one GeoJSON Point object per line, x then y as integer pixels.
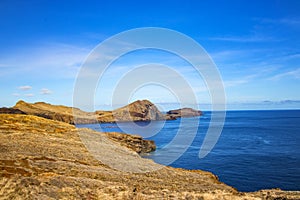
{"type": "Point", "coordinates": [256, 149]}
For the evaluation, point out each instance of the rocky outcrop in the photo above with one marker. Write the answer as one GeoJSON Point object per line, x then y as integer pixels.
{"type": "Point", "coordinates": [138, 111]}
{"type": "Point", "coordinates": [45, 159]}
{"type": "Point", "coordinates": [10, 111]}
{"type": "Point", "coordinates": [134, 142]}
{"type": "Point", "coordinates": [141, 110]}
{"type": "Point", "coordinates": [183, 112]}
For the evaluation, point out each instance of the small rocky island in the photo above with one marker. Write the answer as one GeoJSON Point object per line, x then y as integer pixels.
{"type": "Point", "coordinates": [183, 112]}
{"type": "Point", "coordinates": [42, 157]}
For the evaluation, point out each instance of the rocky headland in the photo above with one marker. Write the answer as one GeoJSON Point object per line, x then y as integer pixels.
{"type": "Point", "coordinates": [45, 159]}
{"type": "Point", "coordinates": [141, 110]}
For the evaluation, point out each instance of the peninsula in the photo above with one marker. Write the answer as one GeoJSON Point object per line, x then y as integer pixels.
{"type": "Point", "coordinates": [141, 110]}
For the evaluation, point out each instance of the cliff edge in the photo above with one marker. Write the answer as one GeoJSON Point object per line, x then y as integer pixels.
{"type": "Point", "coordinates": [46, 159]}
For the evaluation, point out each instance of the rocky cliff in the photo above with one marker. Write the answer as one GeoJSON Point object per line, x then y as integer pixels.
{"type": "Point", "coordinates": [133, 142]}
{"type": "Point", "coordinates": [137, 111]}
{"type": "Point", "coordinates": [46, 159]}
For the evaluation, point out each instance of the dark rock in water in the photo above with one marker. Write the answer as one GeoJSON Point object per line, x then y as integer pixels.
{"type": "Point", "coordinates": [183, 112]}
{"type": "Point", "coordinates": [10, 111]}
{"type": "Point", "coordinates": [134, 142]}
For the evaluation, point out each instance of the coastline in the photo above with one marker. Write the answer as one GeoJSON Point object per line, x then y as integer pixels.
{"type": "Point", "coordinates": [45, 158]}
{"type": "Point", "coordinates": [39, 151]}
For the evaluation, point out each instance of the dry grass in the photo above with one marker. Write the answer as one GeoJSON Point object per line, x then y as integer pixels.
{"type": "Point", "coordinates": [46, 159]}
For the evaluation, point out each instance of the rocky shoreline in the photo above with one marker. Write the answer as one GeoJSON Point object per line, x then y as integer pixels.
{"type": "Point", "coordinates": [45, 158]}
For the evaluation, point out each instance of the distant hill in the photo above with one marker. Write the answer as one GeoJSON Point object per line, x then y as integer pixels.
{"type": "Point", "coordinates": [137, 111]}
{"type": "Point", "coordinates": [141, 110]}
{"type": "Point", "coordinates": [56, 112]}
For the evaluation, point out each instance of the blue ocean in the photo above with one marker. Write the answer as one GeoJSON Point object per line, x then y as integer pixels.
{"type": "Point", "coordinates": [256, 149]}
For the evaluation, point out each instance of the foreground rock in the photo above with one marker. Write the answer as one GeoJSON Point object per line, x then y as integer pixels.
{"type": "Point", "coordinates": [183, 112]}
{"type": "Point", "coordinates": [46, 159]}
{"type": "Point", "coordinates": [134, 142]}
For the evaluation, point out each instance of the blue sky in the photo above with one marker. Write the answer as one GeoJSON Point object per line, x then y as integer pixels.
{"type": "Point", "coordinates": [255, 45]}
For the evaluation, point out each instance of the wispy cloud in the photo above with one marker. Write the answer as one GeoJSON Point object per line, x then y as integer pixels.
{"type": "Point", "coordinates": [45, 91]}
{"type": "Point", "coordinates": [29, 95]}
{"type": "Point", "coordinates": [25, 87]}
{"type": "Point", "coordinates": [282, 21]}
{"type": "Point", "coordinates": [240, 81]}
{"type": "Point", "coordinates": [243, 38]}
{"type": "Point", "coordinates": [46, 60]}
{"type": "Point", "coordinates": [4, 66]}
{"type": "Point", "coordinates": [293, 73]}
{"type": "Point", "coordinates": [16, 94]}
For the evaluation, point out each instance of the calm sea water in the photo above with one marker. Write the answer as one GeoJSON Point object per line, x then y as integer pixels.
{"type": "Point", "coordinates": [256, 150]}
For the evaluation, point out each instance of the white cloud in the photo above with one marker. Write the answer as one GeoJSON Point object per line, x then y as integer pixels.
{"type": "Point", "coordinates": [294, 74]}
{"type": "Point", "coordinates": [16, 94]}
{"type": "Point", "coordinates": [45, 91]}
{"type": "Point", "coordinates": [25, 87]}
{"type": "Point", "coordinates": [29, 95]}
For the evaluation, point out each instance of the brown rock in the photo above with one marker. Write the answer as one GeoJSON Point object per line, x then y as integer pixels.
{"type": "Point", "coordinates": [142, 110]}
{"type": "Point", "coordinates": [10, 111]}
{"type": "Point", "coordinates": [134, 142]}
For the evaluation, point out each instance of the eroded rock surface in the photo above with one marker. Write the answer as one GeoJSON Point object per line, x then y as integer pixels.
{"type": "Point", "coordinates": [5, 110]}
{"type": "Point", "coordinates": [134, 142]}
{"type": "Point", "coordinates": [141, 110]}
